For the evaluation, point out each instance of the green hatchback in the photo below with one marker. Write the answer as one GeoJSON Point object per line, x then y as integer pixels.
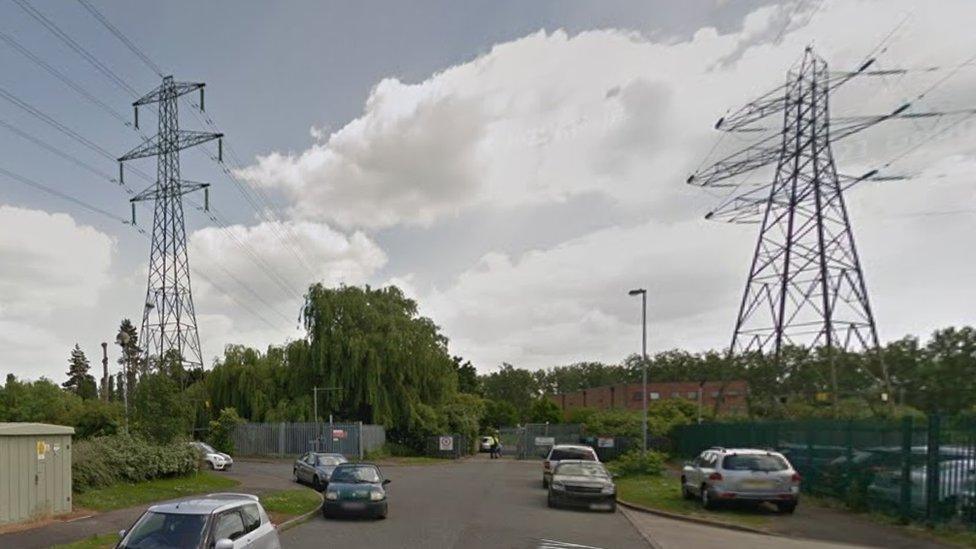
{"type": "Point", "coordinates": [356, 489]}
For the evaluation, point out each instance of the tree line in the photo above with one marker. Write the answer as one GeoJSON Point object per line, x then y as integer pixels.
{"type": "Point", "coordinates": [375, 359]}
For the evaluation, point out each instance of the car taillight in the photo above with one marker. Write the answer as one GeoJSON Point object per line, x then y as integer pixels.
{"type": "Point", "coordinates": [796, 477]}
{"type": "Point", "coordinates": [715, 476]}
{"type": "Point", "coordinates": [546, 464]}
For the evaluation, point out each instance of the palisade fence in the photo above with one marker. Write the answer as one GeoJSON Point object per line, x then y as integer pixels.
{"type": "Point", "coordinates": [448, 446]}
{"type": "Point", "coordinates": [352, 440]}
{"type": "Point", "coordinates": [914, 469]}
{"type": "Point", "coordinates": [533, 440]}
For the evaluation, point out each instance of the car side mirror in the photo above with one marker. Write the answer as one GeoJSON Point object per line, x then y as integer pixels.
{"type": "Point", "coordinates": [121, 533]}
{"type": "Point", "coordinates": [386, 481]}
{"type": "Point", "coordinates": [224, 544]}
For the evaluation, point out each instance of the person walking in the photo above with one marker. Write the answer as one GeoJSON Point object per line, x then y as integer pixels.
{"type": "Point", "coordinates": [494, 447]}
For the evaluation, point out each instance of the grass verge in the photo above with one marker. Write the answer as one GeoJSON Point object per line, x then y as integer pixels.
{"type": "Point", "coordinates": [122, 495]}
{"type": "Point", "coordinates": [664, 493]}
{"type": "Point", "coordinates": [288, 504]}
{"type": "Point", "coordinates": [103, 541]}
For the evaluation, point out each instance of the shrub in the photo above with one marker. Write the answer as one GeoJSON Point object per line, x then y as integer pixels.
{"type": "Point", "coordinates": [633, 463]}
{"type": "Point", "coordinates": [222, 430]}
{"type": "Point", "coordinates": [107, 460]}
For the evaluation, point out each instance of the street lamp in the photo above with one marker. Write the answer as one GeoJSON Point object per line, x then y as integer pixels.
{"type": "Point", "coordinates": [643, 293]}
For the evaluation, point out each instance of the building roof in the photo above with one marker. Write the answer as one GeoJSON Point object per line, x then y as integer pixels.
{"type": "Point", "coordinates": [27, 429]}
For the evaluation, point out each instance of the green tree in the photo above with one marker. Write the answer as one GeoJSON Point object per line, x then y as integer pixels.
{"type": "Point", "coordinates": [222, 430]}
{"type": "Point", "coordinates": [130, 358]}
{"type": "Point", "coordinates": [498, 414]}
{"type": "Point", "coordinates": [545, 411]}
{"type": "Point", "coordinates": [159, 410]}
{"type": "Point", "coordinates": [513, 385]}
{"type": "Point", "coordinates": [467, 376]}
{"type": "Point", "coordinates": [80, 382]}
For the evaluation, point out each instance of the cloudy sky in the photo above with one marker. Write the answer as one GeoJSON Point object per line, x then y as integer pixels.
{"type": "Point", "coordinates": [516, 167]}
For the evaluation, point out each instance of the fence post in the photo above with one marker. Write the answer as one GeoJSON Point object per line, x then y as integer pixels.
{"type": "Point", "coordinates": [906, 469]}
{"type": "Point", "coordinates": [360, 430]}
{"type": "Point", "coordinates": [932, 470]}
{"type": "Point", "coordinates": [281, 439]}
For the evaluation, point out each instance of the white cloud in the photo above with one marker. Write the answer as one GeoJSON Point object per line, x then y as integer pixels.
{"type": "Point", "coordinates": [50, 267]}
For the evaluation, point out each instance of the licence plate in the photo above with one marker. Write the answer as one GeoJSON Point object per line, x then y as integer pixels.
{"type": "Point", "coordinates": [758, 484]}
{"type": "Point", "coordinates": [600, 506]}
{"type": "Point", "coordinates": [353, 505]}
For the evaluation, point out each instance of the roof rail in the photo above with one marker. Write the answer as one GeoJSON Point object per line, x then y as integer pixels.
{"type": "Point", "coordinates": [716, 448]}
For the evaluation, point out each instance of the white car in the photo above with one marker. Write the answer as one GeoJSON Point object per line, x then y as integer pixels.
{"type": "Point", "coordinates": [218, 461]}
{"type": "Point", "coordinates": [559, 452]}
{"type": "Point", "coordinates": [721, 475]}
{"type": "Point", "coordinates": [485, 444]}
{"type": "Point", "coordinates": [214, 521]}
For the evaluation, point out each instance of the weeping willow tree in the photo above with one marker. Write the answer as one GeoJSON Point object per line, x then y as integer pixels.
{"type": "Point", "coordinates": [389, 364]}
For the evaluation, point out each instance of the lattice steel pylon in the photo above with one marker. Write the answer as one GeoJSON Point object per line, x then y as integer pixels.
{"type": "Point", "coordinates": [169, 322]}
{"type": "Point", "coordinates": [806, 287]}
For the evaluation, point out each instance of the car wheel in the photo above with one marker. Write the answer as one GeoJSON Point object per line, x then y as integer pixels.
{"type": "Point", "coordinates": [685, 492]}
{"type": "Point", "coordinates": [210, 465]}
{"type": "Point", "coordinates": [787, 508]}
{"type": "Point", "coordinates": [706, 500]}
{"type": "Point", "coordinates": [294, 475]}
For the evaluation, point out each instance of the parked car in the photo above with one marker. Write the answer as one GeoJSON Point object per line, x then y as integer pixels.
{"type": "Point", "coordinates": [582, 484]}
{"type": "Point", "coordinates": [316, 468]}
{"type": "Point", "coordinates": [217, 461]}
{"type": "Point", "coordinates": [485, 444]}
{"type": "Point", "coordinates": [957, 487]}
{"type": "Point", "coordinates": [560, 452]}
{"type": "Point", "coordinates": [356, 489]}
{"type": "Point", "coordinates": [214, 521]}
{"type": "Point", "coordinates": [741, 474]}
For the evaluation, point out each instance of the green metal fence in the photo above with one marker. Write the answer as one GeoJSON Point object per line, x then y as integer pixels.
{"type": "Point", "coordinates": [913, 469]}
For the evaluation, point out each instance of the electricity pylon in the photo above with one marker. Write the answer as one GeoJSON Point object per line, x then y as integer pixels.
{"type": "Point", "coordinates": [806, 287]}
{"type": "Point", "coordinates": [169, 323]}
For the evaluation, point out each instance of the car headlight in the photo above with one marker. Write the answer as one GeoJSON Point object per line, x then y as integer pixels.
{"type": "Point", "coordinates": [608, 489]}
{"type": "Point", "coordinates": [376, 495]}
{"type": "Point", "coordinates": [332, 496]}
{"type": "Point", "coordinates": [558, 486]}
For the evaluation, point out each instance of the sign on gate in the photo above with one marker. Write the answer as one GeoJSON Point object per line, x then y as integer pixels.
{"type": "Point", "coordinates": [338, 433]}
{"type": "Point", "coordinates": [446, 444]}
{"type": "Point", "coordinates": [604, 442]}
{"type": "Point", "coordinates": [545, 441]}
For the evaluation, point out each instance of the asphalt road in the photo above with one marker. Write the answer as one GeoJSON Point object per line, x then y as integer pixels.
{"type": "Point", "coordinates": [471, 504]}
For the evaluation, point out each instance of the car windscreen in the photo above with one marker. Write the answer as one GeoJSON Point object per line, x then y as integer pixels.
{"type": "Point", "coordinates": [355, 474]}
{"type": "Point", "coordinates": [581, 470]}
{"type": "Point", "coordinates": [330, 460]}
{"type": "Point", "coordinates": [154, 530]}
{"type": "Point", "coordinates": [754, 462]}
{"type": "Point", "coordinates": [559, 454]}
{"type": "Point", "coordinates": [207, 448]}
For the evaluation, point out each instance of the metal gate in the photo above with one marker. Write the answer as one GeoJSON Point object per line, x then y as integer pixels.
{"type": "Point", "coordinates": [533, 440]}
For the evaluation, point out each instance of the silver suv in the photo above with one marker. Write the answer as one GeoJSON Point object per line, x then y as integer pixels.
{"type": "Point", "coordinates": [741, 474]}
{"type": "Point", "coordinates": [214, 521]}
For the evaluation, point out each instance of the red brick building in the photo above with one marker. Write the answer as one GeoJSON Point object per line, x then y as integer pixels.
{"type": "Point", "coordinates": [627, 396]}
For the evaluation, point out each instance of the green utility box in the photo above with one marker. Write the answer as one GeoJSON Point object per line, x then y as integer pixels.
{"type": "Point", "coordinates": [35, 471]}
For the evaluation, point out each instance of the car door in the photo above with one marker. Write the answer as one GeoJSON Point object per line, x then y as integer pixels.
{"type": "Point", "coordinates": [698, 474]}
{"type": "Point", "coordinates": [229, 525]}
{"type": "Point", "coordinates": [260, 534]}
{"type": "Point", "coordinates": [300, 468]}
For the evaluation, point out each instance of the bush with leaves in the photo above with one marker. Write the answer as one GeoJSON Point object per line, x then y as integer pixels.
{"type": "Point", "coordinates": [103, 461]}
{"type": "Point", "coordinates": [222, 430]}
{"type": "Point", "coordinates": [633, 464]}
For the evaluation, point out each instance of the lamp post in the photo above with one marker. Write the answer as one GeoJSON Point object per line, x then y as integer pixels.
{"type": "Point", "coordinates": [643, 293]}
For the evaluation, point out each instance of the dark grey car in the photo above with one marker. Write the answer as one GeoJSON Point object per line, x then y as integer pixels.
{"type": "Point", "coordinates": [315, 468]}
{"type": "Point", "coordinates": [586, 484]}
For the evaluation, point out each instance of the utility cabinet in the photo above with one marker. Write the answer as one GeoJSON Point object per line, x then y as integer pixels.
{"type": "Point", "coordinates": [35, 471]}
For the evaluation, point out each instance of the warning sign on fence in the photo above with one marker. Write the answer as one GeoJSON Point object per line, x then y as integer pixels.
{"type": "Point", "coordinates": [604, 442]}
{"type": "Point", "coordinates": [446, 444]}
{"type": "Point", "coordinates": [338, 433]}
{"type": "Point", "coordinates": [545, 441]}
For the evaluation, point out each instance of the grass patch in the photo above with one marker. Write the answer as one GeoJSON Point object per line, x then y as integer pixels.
{"type": "Point", "coordinates": [289, 503]}
{"type": "Point", "coordinates": [664, 492]}
{"type": "Point", "coordinates": [119, 496]}
{"type": "Point", "coordinates": [103, 541]}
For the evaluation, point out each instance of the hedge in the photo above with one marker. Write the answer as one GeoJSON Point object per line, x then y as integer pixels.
{"type": "Point", "coordinates": [107, 460]}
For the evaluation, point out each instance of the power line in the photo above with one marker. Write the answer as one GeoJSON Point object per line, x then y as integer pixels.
{"type": "Point", "coordinates": [75, 46]}
{"type": "Point", "coordinates": [118, 34]}
{"type": "Point", "coordinates": [53, 192]}
{"type": "Point", "coordinates": [61, 76]}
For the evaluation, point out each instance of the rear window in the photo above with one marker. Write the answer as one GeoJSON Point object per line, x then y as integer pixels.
{"type": "Point", "coordinates": [754, 462]}
{"type": "Point", "coordinates": [559, 454]}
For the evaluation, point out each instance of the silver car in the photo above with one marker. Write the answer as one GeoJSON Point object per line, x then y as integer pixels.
{"type": "Point", "coordinates": [217, 461]}
{"type": "Point", "coordinates": [741, 474]}
{"type": "Point", "coordinates": [315, 468]}
{"type": "Point", "coordinates": [560, 452]}
{"type": "Point", "coordinates": [214, 521]}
